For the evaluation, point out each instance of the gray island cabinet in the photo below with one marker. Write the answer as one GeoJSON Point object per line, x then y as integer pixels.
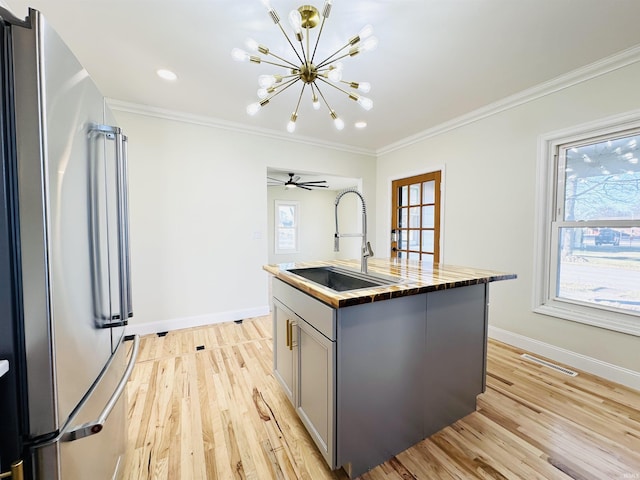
{"type": "Point", "coordinates": [370, 378]}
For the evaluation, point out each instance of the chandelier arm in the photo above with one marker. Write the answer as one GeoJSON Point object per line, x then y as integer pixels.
{"type": "Point", "coordinates": [284, 87]}
{"type": "Point", "coordinates": [281, 86]}
{"type": "Point", "coordinates": [322, 96]}
{"type": "Point", "coordinates": [291, 64]}
{"type": "Point", "coordinates": [352, 96]}
{"type": "Point", "coordinates": [318, 39]}
{"type": "Point", "coordinates": [288, 67]}
{"type": "Point", "coordinates": [330, 58]}
{"type": "Point", "coordinates": [290, 43]}
{"type": "Point", "coordinates": [299, 99]}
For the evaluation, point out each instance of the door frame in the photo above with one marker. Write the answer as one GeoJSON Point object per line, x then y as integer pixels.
{"type": "Point", "coordinates": [413, 173]}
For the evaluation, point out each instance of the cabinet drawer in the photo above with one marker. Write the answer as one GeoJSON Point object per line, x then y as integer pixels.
{"type": "Point", "coordinates": [317, 314]}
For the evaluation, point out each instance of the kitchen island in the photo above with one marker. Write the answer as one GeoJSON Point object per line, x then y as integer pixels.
{"type": "Point", "coordinates": [373, 371]}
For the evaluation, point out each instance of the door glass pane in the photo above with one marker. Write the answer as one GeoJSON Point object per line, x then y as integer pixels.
{"type": "Point", "coordinates": [428, 217]}
{"type": "Point", "coordinates": [414, 256]}
{"type": "Point", "coordinates": [414, 239]}
{"type": "Point", "coordinates": [427, 257]}
{"type": "Point", "coordinates": [414, 194]}
{"type": "Point", "coordinates": [602, 180]}
{"type": "Point", "coordinates": [402, 240]}
{"type": "Point", "coordinates": [414, 217]}
{"type": "Point", "coordinates": [428, 192]}
{"type": "Point", "coordinates": [403, 201]}
{"type": "Point", "coordinates": [403, 218]}
{"type": "Point", "coordinates": [427, 240]}
{"type": "Point", "coordinates": [600, 266]}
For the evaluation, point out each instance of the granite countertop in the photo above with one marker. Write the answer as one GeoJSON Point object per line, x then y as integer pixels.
{"type": "Point", "coordinates": [419, 277]}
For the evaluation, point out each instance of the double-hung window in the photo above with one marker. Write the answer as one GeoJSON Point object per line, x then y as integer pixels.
{"type": "Point", "coordinates": [589, 229]}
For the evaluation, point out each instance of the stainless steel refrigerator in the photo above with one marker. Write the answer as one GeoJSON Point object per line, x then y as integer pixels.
{"type": "Point", "coordinates": [65, 289]}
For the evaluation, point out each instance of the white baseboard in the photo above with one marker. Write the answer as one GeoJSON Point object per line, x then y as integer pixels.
{"type": "Point", "coordinates": [614, 373]}
{"type": "Point", "coordinates": [197, 321]}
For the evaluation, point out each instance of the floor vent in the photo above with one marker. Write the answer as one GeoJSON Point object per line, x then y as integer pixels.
{"type": "Point", "coordinates": [557, 368]}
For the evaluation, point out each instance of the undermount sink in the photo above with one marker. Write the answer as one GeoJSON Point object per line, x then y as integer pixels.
{"type": "Point", "coordinates": [342, 280]}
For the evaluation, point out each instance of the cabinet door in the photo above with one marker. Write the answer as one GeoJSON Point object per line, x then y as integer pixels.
{"type": "Point", "coordinates": [315, 400]}
{"type": "Point", "coordinates": [283, 353]}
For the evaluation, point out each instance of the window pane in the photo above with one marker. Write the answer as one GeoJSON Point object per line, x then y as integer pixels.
{"type": "Point", "coordinates": [287, 238]}
{"type": "Point", "coordinates": [414, 194]}
{"type": "Point", "coordinates": [602, 180]}
{"type": "Point", "coordinates": [403, 201]}
{"type": "Point", "coordinates": [428, 217]}
{"type": "Point", "coordinates": [414, 217]}
{"type": "Point", "coordinates": [600, 266]}
{"type": "Point", "coordinates": [427, 240]}
{"type": "Point", "coordinates": [414, 256]}
{"type": "Point", "coordinates": [286, 215]}
{"type": "Point", "coordinates": [428, 192]}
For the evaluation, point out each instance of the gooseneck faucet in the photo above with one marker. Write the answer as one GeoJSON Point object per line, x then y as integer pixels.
{"type": "Point", "coordinates": [366, 246]}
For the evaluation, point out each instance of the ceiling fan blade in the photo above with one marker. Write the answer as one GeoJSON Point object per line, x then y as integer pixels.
{"type": "Point", "coordinates": [275, 179]}
{"type": "Point", "coordinates": [295, 179]}
{"type": "Point", "coordinates": [313, 181]}
{"type": "Point", "coordinates": [302, 186]}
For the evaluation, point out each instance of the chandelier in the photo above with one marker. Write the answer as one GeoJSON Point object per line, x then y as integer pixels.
{"type": "Point", "coordinates": [304, 68]}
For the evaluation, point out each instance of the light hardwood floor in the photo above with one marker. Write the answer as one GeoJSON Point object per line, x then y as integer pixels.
{"type": "Point", "coordinates": [203, 404]}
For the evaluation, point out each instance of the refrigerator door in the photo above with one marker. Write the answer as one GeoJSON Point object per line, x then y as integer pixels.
{"type": "Point", "coordinates": [66, 196]}
{"type": "Point", "coordinates": [92, 445]}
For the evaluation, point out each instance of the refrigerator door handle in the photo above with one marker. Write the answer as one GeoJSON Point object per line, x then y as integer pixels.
{"type": "Point", "coordinates": [125, 225]}
{"type": "Point", "coordinates": [122, 208]}
{"type": "Point", "coordinates": [91, 428]}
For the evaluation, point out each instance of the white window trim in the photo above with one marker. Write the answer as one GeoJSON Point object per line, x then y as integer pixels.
{"type": "Point", "coordinates": [276, 221]}
{"type": "Point", "coordinates": [544, 214]}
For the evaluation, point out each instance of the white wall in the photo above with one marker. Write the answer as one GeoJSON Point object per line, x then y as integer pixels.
{"type": "Point", "coordinates": [198, 205]}
{"type": "Point", "coordinates": [489, 195]}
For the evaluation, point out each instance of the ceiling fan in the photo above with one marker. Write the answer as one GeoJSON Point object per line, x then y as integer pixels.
{"type": "Point", "coordinates": [294, 182]}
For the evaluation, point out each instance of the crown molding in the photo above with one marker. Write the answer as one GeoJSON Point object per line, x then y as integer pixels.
{"type": "Point", "coordinates": [202, 120]}
{"type": "Point", "coordinates": [582, 74]}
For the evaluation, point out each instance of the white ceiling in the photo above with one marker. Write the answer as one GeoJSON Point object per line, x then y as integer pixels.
{"type": "Point", "coordinates": [436, 59]}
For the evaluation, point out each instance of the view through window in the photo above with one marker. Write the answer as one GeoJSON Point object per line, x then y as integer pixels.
{"type": "Point", "coordinates": [596, 229]}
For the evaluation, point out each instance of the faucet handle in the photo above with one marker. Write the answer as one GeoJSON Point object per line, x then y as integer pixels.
{"type": "Point", "coordinates": [368, 251]}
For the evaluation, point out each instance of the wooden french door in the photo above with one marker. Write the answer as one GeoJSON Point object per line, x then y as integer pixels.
{"type": "Point", "coordinates": [415, 217]}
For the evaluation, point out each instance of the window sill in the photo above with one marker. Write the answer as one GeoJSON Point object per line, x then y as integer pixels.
{"type": "Point", "coordinates": [617, 322]}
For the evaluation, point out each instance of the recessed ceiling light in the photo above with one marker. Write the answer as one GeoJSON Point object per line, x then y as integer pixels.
{"type": "Point", "coordinates": [361, 124]}
{"type": "Point", "coordinates": [166, 74]}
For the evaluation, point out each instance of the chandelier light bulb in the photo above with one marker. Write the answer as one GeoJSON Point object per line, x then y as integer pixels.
{"type": "Point", "coordinates": [291, 126]}
{"type": "Point", "coordinates": [315, 102]}
{"type": "Point", "coordinates": [262, 93]}
{"type": "Point", "coordinates": [338, 123]}
{"type": "Point", "coordinates": [253, 108]}
{"type": "Point", "coordinates": [335, 75]}
{"type": "Point", "coordinates": [239, 55]}
{"type": "Point", "coordinates": [266, 81]}
{"type": "Point", "coordinates": [364, 87]}
{"type": "Point", "coordinates": [251, 44]}
{"type": "Point", "coordinates": [369, 44]}
{"type": "Point", "coordinates": [366, 32]}
{"type": "Point", "coordinates": [295, 19]}
{"type": "Point", "coordinates": [267, 3]}
{"type": "Point", "coordinates": [365, 103]}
